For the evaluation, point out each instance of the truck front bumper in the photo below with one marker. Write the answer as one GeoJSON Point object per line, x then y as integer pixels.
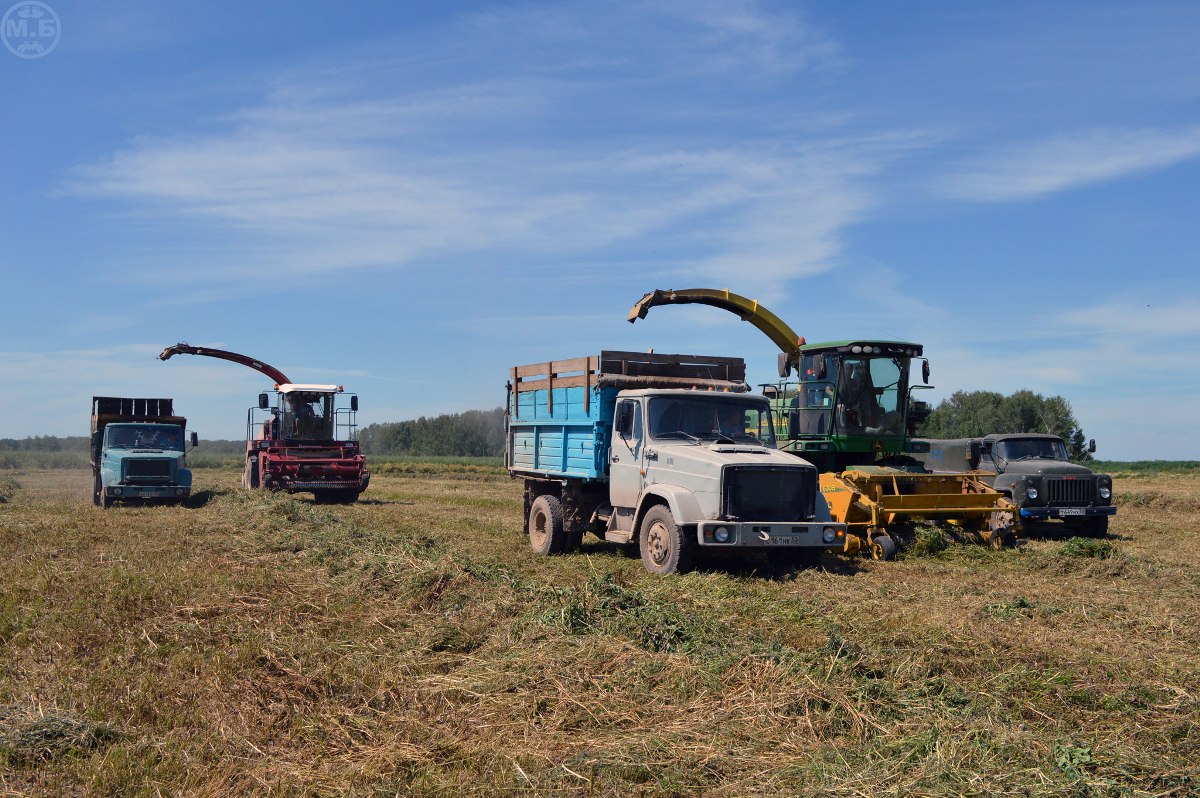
{"type": "Point", "coordinates": [139, 492]}
{"type": "Point", "coordinates": [1049, 513]}
{"type": "Point", "coordinates": [760, 535]}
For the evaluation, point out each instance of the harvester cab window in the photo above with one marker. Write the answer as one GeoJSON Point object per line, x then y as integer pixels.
{"type": "Point", "coordinates": [858, 407]}
{"type": "Point", "coordinates": [308, 416]}
{"type": "Point", "coordinates": [889, 376]}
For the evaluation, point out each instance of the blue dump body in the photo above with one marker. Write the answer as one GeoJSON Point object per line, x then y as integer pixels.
{"type": "Point", "coordinates": [571, 441]}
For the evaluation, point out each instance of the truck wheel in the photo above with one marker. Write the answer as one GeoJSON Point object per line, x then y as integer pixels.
{"type": "Point", "coordinates": [665, 547]}
{"type": "Point", "coordinates": [883, 547]}
{"type": "Point", "coordinates": [97, 490]}
{"type": "Point", "coordinates": [105, 501]}
{"type": "Point", "coordinates": [547, 534]}
{"type": "Point", "coordinates": [251, 480]}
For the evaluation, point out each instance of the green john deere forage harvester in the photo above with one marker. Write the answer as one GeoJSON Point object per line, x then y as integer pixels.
{"type": "Point", "coordinates": [850, 410]}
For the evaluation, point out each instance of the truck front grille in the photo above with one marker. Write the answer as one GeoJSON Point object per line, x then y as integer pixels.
{"type": "Point", "coordinates": [1068, 491]}
{"type": "Point", "coordinates": [770, 494]}
{"type": "Point", "coordinates": [148, 470]}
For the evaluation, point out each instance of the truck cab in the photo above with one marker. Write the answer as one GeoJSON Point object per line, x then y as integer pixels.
{"type": "Point", "coordinates": [674, 469]}
{"type": "Point", "coordinates": [1034, 471]}
{"type": "Point", "coordinates": [139, 452]}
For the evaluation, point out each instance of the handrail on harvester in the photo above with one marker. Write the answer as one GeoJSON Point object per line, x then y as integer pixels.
{"type": "Point", "coordinates": [747, 309]}
{"type": "Point", "coordinates": [277, 376]}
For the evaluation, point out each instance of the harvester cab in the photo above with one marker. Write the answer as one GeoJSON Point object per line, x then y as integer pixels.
{"type": "Point", "coordinates": [851, 402]}
{"type": "Point", "coordinates": [304, 439]}
{"type": "Point", "coordinates": [851, 410]}
{"type": "Point", "coordinates": [304, 412]}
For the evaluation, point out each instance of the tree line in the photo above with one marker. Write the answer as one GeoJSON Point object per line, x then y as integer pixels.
{"type": "Point", "coordinates": [474, 433]}
{"type": "Point", "coordinates": [480, 433]}
{"type": "Point", "coordinates": [971, 414]}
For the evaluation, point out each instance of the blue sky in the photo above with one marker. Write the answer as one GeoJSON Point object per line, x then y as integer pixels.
{"type": "Point", "coordinates": [409, 198]}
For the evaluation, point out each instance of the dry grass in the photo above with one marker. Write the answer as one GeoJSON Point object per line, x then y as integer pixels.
{"type": "Point", "coordinates": [412, 645]}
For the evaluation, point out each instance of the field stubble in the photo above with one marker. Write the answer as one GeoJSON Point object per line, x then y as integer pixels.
{"type": "Point", "coordinates": [257, 644]}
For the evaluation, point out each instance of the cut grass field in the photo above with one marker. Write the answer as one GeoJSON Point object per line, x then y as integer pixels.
{"type": "Point", "coordinates": [256, 644]}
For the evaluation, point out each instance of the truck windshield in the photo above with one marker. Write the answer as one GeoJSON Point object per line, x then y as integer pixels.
{"type": "Point", "coordinates": [1032, 448]}
{"type": "Point", "coordinates": [711, 418]}
{"type": "Point", "coordinates": [134, 436]}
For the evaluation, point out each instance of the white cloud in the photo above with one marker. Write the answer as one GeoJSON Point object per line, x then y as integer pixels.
{"type": "Point", "coordinates": [1066, 162]}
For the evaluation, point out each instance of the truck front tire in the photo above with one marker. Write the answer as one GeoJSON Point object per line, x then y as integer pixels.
{"type": "Point", "coordinates": [665, 546]}
{"type": "Point", "coordinates": [97, 490]}
{"type": "Point", "coordinates": [547, 532]}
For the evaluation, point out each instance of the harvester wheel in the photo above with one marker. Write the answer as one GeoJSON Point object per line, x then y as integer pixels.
{"type": "Point", "coordinates": [547, 534]}
{"type": "Point", "coordinates": [883, 547]}
{"type": "Point", "coordinates": [665, 547]}
{"type": "Point", "coordinates": [251, 480]}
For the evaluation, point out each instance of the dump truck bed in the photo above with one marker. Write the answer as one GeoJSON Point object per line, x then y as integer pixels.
{"type": "Point", "coordinates": [560, 413]}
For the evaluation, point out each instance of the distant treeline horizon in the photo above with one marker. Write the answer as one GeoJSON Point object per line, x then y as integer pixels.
{"type": "Point", "coordinates": [473, 433]}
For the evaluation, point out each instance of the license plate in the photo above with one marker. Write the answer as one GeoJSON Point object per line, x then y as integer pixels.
{"type": "Point", "coordinates": [784, 540]}
{"type": "Point", "coordinates": [1072, 511]}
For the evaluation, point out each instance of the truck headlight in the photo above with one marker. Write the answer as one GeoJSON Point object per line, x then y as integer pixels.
{"type": "Point", "coordinates": [829, 535]}
{"type": "Point", "coordinates": [1031, 492]}
{"type": "Point", "coordinates": [179, 491]}
{"type": "Point", "coordinates": [1105, 492]}
{"type": "Point", "coordinates": [721, 534]}
{"type": "Point", "coordinates": [116, 491]}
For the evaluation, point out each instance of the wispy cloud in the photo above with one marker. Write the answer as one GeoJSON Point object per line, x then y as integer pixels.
{"type": "Point", "coordinates": [1070, 161]}
{"type": "Point", "coordinates": [319, 178]}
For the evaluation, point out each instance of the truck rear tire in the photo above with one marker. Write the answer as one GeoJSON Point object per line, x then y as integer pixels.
{"type": "Point", "coordinates": [547, 533]}
{"type": "Point", "coordinates": [666, 548]}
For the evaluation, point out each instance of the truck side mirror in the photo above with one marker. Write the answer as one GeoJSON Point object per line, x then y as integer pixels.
{"type": "Point", "coordinates": [793, 424]}
{"type": "Point", "coordinates": [770, 391]}
{"type": "Point", "coordinates": [925, 371]}
{"type": "Point", "coordinates": [1092, 446]}
{"type": "Point", "coordinates": [974, 448]}
{"type": "Point", "coordinates": [785, 366]}
{"type": "Point", "coordinates": [623, 424]}
{"type": "Point", "coordinates": [195, 440]}
{"type": "Point", "coordinates": [354, 403]}
{"type": "Point", "coordinates": [264, 401]}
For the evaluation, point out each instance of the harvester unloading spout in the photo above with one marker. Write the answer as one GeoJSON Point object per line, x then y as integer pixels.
{"type": "Point", "coordinates": [775, 328]}
{"type": "Point", "coordinates": [850, 410]}
{"type": "Point", "coordinates": [181, 348]}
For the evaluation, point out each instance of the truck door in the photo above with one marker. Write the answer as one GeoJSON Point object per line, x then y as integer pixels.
{"type": "Point", "coordinates": [625, 458]}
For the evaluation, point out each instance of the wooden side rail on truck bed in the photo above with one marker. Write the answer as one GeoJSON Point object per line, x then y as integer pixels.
{"type": "Point", "coordinates": [631, 370]}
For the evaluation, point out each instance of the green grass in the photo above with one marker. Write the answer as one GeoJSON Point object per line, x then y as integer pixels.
{"type": "Point", "coordinates": [412, 644]}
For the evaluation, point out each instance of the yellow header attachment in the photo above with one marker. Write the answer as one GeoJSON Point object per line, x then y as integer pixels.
{"type": "Point", "coordinates": [746, 309]}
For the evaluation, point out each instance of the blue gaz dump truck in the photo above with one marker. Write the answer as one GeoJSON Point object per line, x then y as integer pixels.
{"type": "Point", "coordinates": [138, 453]}
{"type": "Point", "coordinates": [670, 453]}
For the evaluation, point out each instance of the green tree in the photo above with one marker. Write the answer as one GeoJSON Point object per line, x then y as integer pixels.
{"type": "Point", "coordinates": [972, 414]}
